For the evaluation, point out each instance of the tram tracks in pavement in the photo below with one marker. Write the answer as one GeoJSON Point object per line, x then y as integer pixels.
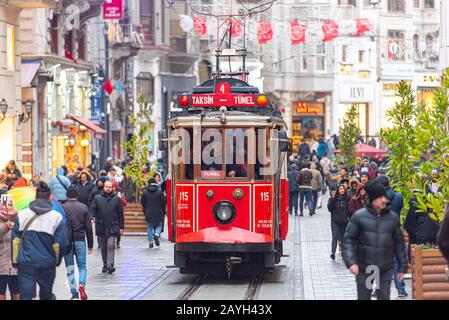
{"type": "Point", "coordinates": [251, 292]}
{"type": "Point", "coordinates": [193, 287]}
{"type": "Point", "coordinates": [254, 286]}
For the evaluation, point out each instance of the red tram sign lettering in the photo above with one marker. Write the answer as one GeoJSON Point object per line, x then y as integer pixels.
{"type": "Point", "coordinates": [229, 100]}
{"type": "Point", "coordinates": [223, 97]}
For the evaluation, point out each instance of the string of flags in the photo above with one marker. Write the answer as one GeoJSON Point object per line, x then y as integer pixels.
{"type": "Point", "coordinates": [300, 32]}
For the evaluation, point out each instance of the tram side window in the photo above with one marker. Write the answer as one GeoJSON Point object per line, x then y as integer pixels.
{"type": "Point", "coordinates": [262, 155]}
{"type": "Point", "coordinates": [186, 170]}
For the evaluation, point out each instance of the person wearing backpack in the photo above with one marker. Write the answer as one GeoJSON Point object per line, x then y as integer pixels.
{"type": "Point", "coordinates": [39, 240]}
{"type": "Point", "coordinates": [80, 228]}
{"type": "Point", "coordinates": [293, 189]}
{"type": "Point", "coordinates": [305, 189]}
{"type": "Point", "coordinates": [59, 185]}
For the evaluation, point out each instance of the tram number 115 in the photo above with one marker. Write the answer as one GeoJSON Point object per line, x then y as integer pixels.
{"type": "Point", "coordinates": [264, 196]}
{"type": "Point", "coordinates": [184, 196]}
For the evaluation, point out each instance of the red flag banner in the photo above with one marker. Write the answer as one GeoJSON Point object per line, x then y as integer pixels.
{"type": "Point", "coordinates": [68, 55]}
{"type": "Point", "coordinates": [330, 30]}
{"type": "Point", "coordinates": [236, 28]}
{"type": "Point", "coordinates": [200, 26]}
{"type": "Point", "coordinates": [298, 32]}
{"type": "Point", "coordinates": [264, 31]}
{"type": "Point", "coordinates": [363, 25]}
{"type": "Point", "coordinates": [108, 87]}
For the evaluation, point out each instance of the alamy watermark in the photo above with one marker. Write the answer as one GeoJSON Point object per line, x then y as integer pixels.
{"type": "Point", "coordinates": [212, 147]}
{"type": "Point", "coordinates": [73, 13]}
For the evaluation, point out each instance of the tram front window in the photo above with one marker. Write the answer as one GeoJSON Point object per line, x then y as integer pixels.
{"type": "Point", "coordinates": [228, 147]}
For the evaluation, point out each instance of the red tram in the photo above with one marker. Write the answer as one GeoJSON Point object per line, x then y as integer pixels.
{"type": "Point", "coordinates": [227, 187]}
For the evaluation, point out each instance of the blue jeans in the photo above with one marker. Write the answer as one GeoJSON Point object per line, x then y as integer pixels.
{"type": "Point", "coordinates": [79, 251]}
{"type": "Point", "coordinates": [315, 198]}
{"type": "Point", "coordinates": [29, 276]}
{"type": "Point", "coordinates": [400, 285]}
{"type": "Point", "coordinates": [308, 194]}
{"type": "Point", "coordinates": [157, 231]}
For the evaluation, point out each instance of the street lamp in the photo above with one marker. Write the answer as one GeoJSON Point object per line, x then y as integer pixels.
{"type": "Point", "coordinates": [3, 109]}
{"type": "Point", "coordinates": [24, 118]}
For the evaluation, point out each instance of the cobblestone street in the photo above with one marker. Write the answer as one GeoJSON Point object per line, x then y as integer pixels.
{"type": "Point", "coordinates": [308, 272]}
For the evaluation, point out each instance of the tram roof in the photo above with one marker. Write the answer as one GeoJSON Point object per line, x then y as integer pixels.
{"type": "Point", "coordinates": [233, 118]}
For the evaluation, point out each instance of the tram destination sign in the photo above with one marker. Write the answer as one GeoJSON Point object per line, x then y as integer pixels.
{"type": "Point", "coordinates": [223, 97]}
{"type": "Point", "coordinates": [228, 100]}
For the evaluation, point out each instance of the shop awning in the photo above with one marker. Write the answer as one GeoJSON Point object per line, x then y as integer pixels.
{"type": "Point", "coordinates": [28, 72]}
{"type": "Point", "coordinates": [88, 124]}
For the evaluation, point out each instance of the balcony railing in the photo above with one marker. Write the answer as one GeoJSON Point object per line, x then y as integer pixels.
{"type": "Point", "coordinates": [129, 34]}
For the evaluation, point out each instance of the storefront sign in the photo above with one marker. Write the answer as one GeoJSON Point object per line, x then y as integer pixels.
{"type": "Point", "coordinates": [428, 80]}
{"type": "Point", "coordinates": [356, 93]}
{"type": "Point", "coordinates": [113, 9]}
{"type": "Point", "coordinates": [302, 108]}
{"type": "Point", "coordinates": [389, 88]}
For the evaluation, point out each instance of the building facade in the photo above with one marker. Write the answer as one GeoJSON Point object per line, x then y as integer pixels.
{"type": "Point", "coordinates": [14, 131]}
{"type": "Point", "coordinates": [58, 73]}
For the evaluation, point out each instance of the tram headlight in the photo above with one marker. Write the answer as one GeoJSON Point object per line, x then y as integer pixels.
{"type": "Point", "coordinates": [224, 212]}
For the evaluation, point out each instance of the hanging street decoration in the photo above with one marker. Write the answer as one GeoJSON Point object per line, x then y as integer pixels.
{"type": "Point", "coordinates": [363, 25]}
{"type": "Point", "coordinates": [200, 26]}
{"type": "Point", "coordinates": [331, 30]}
{"type": "Point", "coordinates": [264, 32]}
{"type": "Point", "coordinates": [185, 22]}
{"type": "Point", "coordinates": [236, 28]}
{"type": "Point", "coordinates": [300, 32]}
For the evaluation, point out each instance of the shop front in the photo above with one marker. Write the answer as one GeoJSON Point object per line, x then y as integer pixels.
{"type": "Point", "coordinates": [72, 142]}
{"type": "Point", "coordinates": [426, 84]}
{"type": "Point", "coordinates": [361, 96]}
{"type": "Point", "coordinates": [308, 121]}
{"type": "Point", "coordinates": [388, 99]}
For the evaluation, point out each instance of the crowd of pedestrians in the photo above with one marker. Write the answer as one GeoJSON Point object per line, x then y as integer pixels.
{"type": "Point", "coordinates": [364, 213]}
{"type": "Point", "coordinates": [59, 225]}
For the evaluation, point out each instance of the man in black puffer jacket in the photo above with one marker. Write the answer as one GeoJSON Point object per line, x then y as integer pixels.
{"type": "Point", "coordinates": [371, 241]}
{"type": "Point", "coordinates": [107, 210]}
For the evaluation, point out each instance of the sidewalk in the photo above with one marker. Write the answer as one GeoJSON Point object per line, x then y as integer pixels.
{"type": "Point", "coordinates": [323, 278]}
{"type": "Point", "coordinates": [137, 266]}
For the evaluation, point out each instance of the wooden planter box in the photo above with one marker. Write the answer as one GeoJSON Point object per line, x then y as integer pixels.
{"type": "Point", "coordinates": [135, 219]}
{"type": "Point", "coordinates": [429, 274]}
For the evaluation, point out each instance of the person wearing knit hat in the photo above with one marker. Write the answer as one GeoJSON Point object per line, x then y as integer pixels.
{"type": "Point", "coordinates": [78, 216]}
{"type": "Point", "coordinates": [396, 204]}
{"type": "Point", "coordinates": [41, 247]}
{"type": "Point", "coordinates": [364, 177]}
{"type": "Point", "coordinates": [375, 190]}
{"type": "Point", "coordinates": [373, 239]}
{"type": "Point", "coordinates": [154, 204]}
